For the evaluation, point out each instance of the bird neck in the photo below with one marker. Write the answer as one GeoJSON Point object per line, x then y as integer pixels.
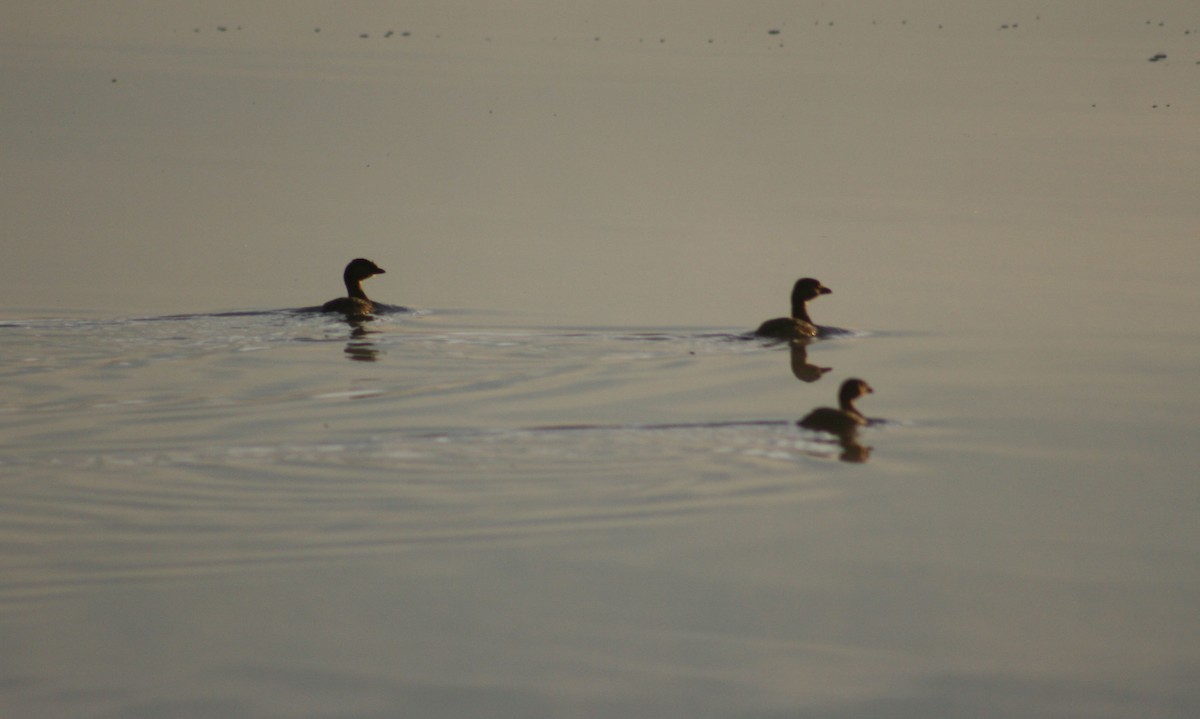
{"type": "Point", "coordinates": [847, 405]}
{"type": "Point", "coordinates": [354, 288]}
{"type": "Point", "coordinates": [800, 311]}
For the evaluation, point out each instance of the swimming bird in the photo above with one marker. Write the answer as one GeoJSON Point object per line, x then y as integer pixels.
{"type": "Point", "coordinates": [845, 420]}
{"type": "Point", "coordinates": [355, 303]}
{"type": "Point", "coordinates": [799, 325]}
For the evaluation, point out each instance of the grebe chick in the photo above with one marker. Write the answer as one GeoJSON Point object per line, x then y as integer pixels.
{"type": "Point", "coordinates": [799, 325]}
{"type": "Point", "coordinates": [356, 302]}
{"type": "Point", "coordinates": [845, 420]}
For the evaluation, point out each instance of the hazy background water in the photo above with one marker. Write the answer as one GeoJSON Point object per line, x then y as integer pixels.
{"type": "Point", "coordinates": [565, 486]}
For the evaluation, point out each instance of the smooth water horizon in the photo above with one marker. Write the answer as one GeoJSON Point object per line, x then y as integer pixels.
{"type": "Point", "coordinates": [569, 482]}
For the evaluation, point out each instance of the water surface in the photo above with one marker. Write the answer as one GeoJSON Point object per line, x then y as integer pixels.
{"type": "Point", "coordinates": [568, 484]}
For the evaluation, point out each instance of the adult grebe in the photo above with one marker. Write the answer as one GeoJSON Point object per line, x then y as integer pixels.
{"type": "Point", "coordinates": [356, 302]}
{"type": "Point", "coordinates": [799, 325]}
{"type": "Point", "coordinates": [845, 420]}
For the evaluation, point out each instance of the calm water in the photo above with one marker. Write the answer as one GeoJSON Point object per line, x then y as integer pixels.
{"type": "Point", "coordinates": [567, 486]}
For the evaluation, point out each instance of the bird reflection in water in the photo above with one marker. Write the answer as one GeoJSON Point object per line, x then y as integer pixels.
{"type": "Point", "coordinates": [360, 347]}
{"type": "Point", "coordinates": [801, 367]}
{"type": "Point", "coordinates": [853, 451]}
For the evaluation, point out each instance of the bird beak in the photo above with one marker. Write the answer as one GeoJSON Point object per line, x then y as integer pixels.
{"type": "Point", "coordinates": [380, 271]}
{"type": "Point", "coordinates": [823, 290]}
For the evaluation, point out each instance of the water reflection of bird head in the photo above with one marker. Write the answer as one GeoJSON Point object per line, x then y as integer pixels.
{"type": "Point", "coordinates": [853, 452]}
{"type": "Point", "coordinates": [360, 347]}
{"type": "Point", "coordinates": [801, 367]}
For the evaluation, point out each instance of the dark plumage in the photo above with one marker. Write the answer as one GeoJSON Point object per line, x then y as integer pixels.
{"type": "Point", "coordinates": [845, 420]}
{"type": "Point", "coordinates": [799, 325]}
{"type": "Point", "coordinates": [356, 302]}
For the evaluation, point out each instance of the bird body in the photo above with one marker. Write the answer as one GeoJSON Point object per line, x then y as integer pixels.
{"type": "Point", "coordinates": [787, 328]}
{"type": "Point", "coordinates": [799, 326]}
{"type": "Point", "coordinates": [846, 419]}
{"type": "Point", "coordinates": [355, 303]}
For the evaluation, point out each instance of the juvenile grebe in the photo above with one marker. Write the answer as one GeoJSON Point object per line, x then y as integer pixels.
{"type": "Point", "coordinates": [799, 325]}
{"type": "Point", "coordinates": [845, 420]}
{"type": "Point", "coordinates": [355, 303]}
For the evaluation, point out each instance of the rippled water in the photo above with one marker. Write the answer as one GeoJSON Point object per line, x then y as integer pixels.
{"type": "Point", "coordinates": [197, 442]}
{"type": "Point", "coordinates": [458, 513]}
